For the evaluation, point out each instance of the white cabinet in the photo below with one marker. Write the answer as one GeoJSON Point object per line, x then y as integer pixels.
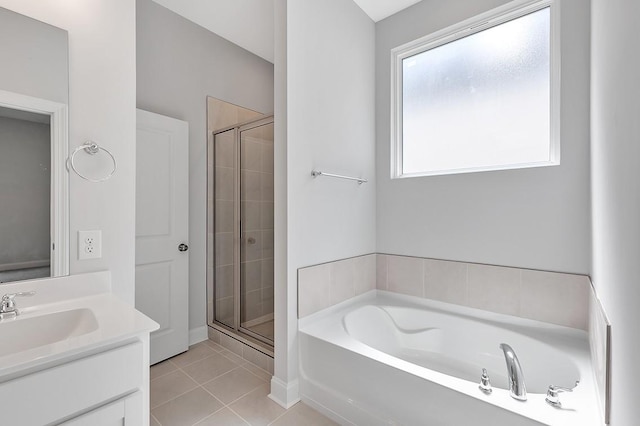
{"type": "Point", "coordinates": [123, 412]}
{"type": "Point", "coordinates": [62, 392]}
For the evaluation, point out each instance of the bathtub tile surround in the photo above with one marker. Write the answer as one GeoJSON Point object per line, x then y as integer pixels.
{"type": "Point", "coordinates": [545, 296]}
{"type": "Point", "coordinates": [405, 275]}
{"type": "Point", "coordinates": [445, 281]}
{"type": "Point", "coordinates": [600, 346]}
{"type": "Point", "coordinates": [551, 297]}
{"type": "Point", "coordinates": [330, 283]}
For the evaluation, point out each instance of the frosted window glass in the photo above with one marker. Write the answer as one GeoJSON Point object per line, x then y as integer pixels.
{"type": "Point", "coordinates": [480, 101]}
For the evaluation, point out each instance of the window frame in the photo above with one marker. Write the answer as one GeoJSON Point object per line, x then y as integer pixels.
{"type": "Point", "coordinates": [478, 23]}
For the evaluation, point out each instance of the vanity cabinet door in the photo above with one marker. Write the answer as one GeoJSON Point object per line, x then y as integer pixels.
{"type": "Point", "coordinates": [124, 412]}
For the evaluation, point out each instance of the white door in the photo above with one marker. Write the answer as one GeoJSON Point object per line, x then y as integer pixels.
{"type": "Point", "coordinates": [162, 228]}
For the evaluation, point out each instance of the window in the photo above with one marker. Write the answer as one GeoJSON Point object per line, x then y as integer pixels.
{"type": "Point", "coordinates": [479, 96]}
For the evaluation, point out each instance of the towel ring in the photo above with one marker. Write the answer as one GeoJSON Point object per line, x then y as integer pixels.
{"type": "Point", "coordinates": [91, 148]}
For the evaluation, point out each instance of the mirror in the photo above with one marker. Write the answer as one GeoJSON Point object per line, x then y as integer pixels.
{"type": "Point", "coordinates": [34, 91]}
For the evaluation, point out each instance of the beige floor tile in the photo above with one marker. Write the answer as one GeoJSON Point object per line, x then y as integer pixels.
{"type": "Point", "coordinates": [170, 386]}
{"type": "Point", "coordinates": [209, 368]}
{"type": "Point", "coordinates": [153, 421]}
{"type": "Point", "coordinates": [264, 375]}
{"type": "Point", "coordinates": [302, 414]}
{"type": "Point", "coordinates": [187, 409]}
{"type": "Point", "coordinates": [213, 345]}
{"type": "Point", "coordinates": [195, 353]}
{"type": "Point", "coordinates": [256, 408]}
{"type": "Point", "coordinates": [233, 357]}
{"type": "Point", "coordinates": [232, 385]}
{"type": "Point", "coordinates": [224, 417]}
{"type": "Point", "coordinates": [162, 368]}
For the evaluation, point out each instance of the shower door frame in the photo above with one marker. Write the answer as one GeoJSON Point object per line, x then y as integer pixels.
{"type": "Point", "coordinates": [246, 335]}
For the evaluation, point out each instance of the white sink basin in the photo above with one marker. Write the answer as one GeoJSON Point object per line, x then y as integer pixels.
{"type": "Point", "coordinates": [24, 333]}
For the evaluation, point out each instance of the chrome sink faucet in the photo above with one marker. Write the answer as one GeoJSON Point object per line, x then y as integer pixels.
{"type": "Point", "coordinates": [8, 305]}
{"type": "Point", "coordinates": [517, 389]}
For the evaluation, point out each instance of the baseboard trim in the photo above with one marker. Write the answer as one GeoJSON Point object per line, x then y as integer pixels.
{"type": "Point", "coordinates": [284, 394]}
{"type": "Point", "coordinates": [198, 334]}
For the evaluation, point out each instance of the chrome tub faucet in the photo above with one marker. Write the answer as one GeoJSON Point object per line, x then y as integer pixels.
{"type": "Point", "coordinates": [517, 388]}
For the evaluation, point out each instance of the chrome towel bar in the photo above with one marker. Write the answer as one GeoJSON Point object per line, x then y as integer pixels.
{"type": "Point", "coordinates": [316, 173]}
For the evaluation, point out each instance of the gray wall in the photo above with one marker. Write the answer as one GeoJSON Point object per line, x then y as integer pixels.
{"type": "Point", "coordinates": [25, 177]}
{"type": "Point", "coordinates": [34, 58]}
{"type": "Point", "coordinates": [532, 218]}
{"type": "Point", "coordinates": [179, 64]}
{"type": "Point", "coordinates": [616, 184]}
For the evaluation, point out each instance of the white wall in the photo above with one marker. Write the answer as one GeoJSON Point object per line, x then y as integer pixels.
{"type": "Point", "coordinates": [102, 90]}
{"type": "Point", "coordinates": [43, 72]}
{"type": "Point", "coordinates": [330, 126]}
{"type": "Point", "coordinates": [179, 65]}
{"type": "Point", "coordinates": [533, 218]}
{"type": "Point", "coordinates": [615, 131]}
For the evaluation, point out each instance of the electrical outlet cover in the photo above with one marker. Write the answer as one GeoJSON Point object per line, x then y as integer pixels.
{"type": "Point", "coordinates": [89, 244]}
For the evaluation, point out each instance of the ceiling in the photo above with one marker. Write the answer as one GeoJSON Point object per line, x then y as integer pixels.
{"type": "Point", "coordinates": [249, 23]}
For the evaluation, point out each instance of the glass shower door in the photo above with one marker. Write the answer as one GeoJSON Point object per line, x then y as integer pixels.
{"type": "Point", "coordinates": [224, 212]}
{"type": "Point", "coordinates": [241, 230]}
{"type": "Point", "coordinates": [256, 239]}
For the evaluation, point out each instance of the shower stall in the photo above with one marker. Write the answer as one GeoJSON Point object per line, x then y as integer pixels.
{"type": "Point", "coordinates": [240, 231]}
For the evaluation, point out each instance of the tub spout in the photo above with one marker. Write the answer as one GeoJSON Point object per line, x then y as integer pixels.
{"type": "Point", "coordinates": [517, 389]}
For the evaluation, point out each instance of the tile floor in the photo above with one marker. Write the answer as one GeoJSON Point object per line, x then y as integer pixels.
{"type": "Point", "coordinates": [209, 385]}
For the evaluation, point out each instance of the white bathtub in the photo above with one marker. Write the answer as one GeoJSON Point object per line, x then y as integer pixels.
{"type": "Point", "coordinates": [388, 359]}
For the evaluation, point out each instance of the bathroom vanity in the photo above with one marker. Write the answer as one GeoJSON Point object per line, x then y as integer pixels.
{"type": "Point", "coordinates": [75, 355]}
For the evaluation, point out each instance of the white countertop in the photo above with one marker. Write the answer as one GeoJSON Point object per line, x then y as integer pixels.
{"type": "Point", "coordinates": [117, 321]}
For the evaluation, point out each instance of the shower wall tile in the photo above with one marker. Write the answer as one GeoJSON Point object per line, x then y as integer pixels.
{"type": "Point", "coordinates": [223, 215]}
{"type": "Point", "coordinates": [223, 151]}
{"type": "Point", "coordinates": [266, 215]}
{"type": "Point", "coordinates": [224, 281]}
{"type": "Point", "coordinates": [267, 273]}
{"type": "Point", "coordinates": [267, 187]}
{"type": "Point", "coordinates": [224, 248]}
{"type": "Point", "coordinates": [250, 186]}
{"type": "Point", "coordinates": [250, 215]}
{"type": "Point", "coordinates": [267, 244]}
{"type": "Point", "coordinates": [251, 156]}
{"type": "Point", "coordinates": [251, 246]}
{"type": "Point", "coordinates": [251, 275]}
{"type": "Point", "coordinates": [267, 157]}
{"type": "Point", "coordinates": [224, 183]}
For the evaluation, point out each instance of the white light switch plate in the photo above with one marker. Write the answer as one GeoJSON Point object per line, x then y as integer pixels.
{"type": "Point", "coordinates": [89, 245]}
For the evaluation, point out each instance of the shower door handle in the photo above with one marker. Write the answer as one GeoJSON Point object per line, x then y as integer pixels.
{"type": "Point", "coordinates": [183, 247]}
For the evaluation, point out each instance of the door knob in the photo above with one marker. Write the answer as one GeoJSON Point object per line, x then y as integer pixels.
{"type": "Point", "coordinates": [183, 247]}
